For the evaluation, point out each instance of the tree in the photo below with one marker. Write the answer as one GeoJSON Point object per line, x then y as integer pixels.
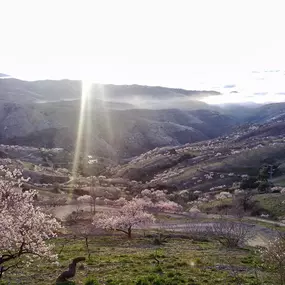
{"type": "Point", "coordinates": [263, 174]}
{"type": "Point", "coordinates": [264, 186]}
{"type": "Point", "coordinates": [157, 201]}
{"type": "Point", "coordinates": [88, 199]}
{"type": "Point", "coordinates": [274, 257]}
{"type": "Point", "coordinates": [24, 228]}
{"type": "Point", "coordinates": [230, 233]}
{"type": "Point", "coordinates": [249, 182]}
{"type": "Point", "coordinates": [91, 197]}
{"type": "Point", "coordinates": [243, 202]}
{"type": "Point", "coordinates": [132, 214]}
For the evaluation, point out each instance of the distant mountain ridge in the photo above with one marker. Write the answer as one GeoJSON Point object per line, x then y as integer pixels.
{"type": "Point", "coordinates": [110, 132]}
{"type": "Point", "coordinates": [121, 121]}
{"type": "Point", "coordinates": [15, 90]}
{"type": "Point", "coordinates": [3, 75]}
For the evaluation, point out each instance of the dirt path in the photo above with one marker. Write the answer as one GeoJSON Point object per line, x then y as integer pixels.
{"type": "Point", "coordinates": [261, 237]}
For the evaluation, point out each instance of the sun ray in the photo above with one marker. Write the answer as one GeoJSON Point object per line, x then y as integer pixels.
{"type": "Point", "coordinates": [82, 125]}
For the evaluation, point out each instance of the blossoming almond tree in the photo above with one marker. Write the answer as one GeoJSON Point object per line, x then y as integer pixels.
{"type": "Point", "coordinates": [124, 220]}
{"type": "Point", "coordinates": [157, 201]}
{"type": "Point", "coordinates": [24, 228]}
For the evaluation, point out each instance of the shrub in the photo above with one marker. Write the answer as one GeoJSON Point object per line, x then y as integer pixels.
{"type": "Point", "coordinates": [274, 257]}
{"type": "Point", "coordinates": [263, 187]}
{"type": "Point", "coordinates": [249, 182]}
{"type": "Point", "coordinates": [230, 234]}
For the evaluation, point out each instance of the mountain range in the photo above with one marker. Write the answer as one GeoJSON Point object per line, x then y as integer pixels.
{"type": "Point", "coordinates": [118, 121]}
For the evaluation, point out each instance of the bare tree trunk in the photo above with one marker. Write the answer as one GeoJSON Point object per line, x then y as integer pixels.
{"type": "Point", "coordinates": [129, 232]}
{"type": "Point", "coordinates": [87, 246]}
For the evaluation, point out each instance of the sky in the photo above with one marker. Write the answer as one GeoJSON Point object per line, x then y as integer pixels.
{"type": "Point", "coordinates": [199, 44]}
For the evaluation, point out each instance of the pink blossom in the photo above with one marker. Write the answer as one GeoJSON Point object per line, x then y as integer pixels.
{"type": "Point", "coordinates": [24, 228]}
{"type": "Point", "coordinates": [132, 214]}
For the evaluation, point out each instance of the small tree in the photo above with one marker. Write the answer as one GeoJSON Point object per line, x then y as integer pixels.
{"type": "Point", "coordinates": [157, 201]}
{"type": "Point", "coordinates": [132, 214]}
{"type": "Point", "coordinates": [24, 227]}
{"type": "Point", "coordinates": [274, 257]}
{"type": "Point", "coordinates": [244, 203]}
{"type": "Point", "coordinates": [263, 174]}
{"type": "Point", "coordinates": [87, 199]}
{"type": "Point", "coordinates": [93, 195]}
{"type": "Point", "coordinates": [264, 186]}
{"type": "Point", "coordinates": [230, 233]}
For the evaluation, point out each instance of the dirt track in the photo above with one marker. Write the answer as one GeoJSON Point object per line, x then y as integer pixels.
{"type": "Point", "coordinates": [262, 234]}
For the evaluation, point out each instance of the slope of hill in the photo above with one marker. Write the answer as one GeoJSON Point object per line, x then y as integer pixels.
{"type": "Point", "coordinates": [110, 132]}
{"type": "Point", "coordinates": [120, 121]}
{"type": "Point", "coordinates": [267, 113]}
{"type": "Point", "coordinates": [207, 164]}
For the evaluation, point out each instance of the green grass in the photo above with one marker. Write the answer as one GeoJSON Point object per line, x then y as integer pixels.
{"type": "Point", "coordinates": [272, 203]}
{"type": "Point", "coordinates": [216, 205]}
{"type": "Point", "coordinates": [116, 260]}
{"type": "Point", "coordinates": [28, 165]}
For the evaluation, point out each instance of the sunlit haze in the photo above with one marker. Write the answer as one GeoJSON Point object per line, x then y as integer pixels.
{"type": "Point", "coordinates": [235, 47]}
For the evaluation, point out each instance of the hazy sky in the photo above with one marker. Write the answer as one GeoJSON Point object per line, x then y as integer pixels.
{"type": "Point", "coordinates": [188, 44]}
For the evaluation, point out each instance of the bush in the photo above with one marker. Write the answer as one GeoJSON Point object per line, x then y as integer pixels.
{"type": "Point", "coordinates": [249, 183]}
{"type": "Point", "coordinates": [230, 234]}
{"type": "Point", "coordinates": [263, 186]}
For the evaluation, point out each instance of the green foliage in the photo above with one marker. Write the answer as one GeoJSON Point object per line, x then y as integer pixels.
{"type": "Point", "coordinates": [263, 186]}
{"type": "Point", "coordinates": [91, 281]}
{"type": "Point", "coordinates": [170, 279]}
{"type": "Point", "coordinates": [249, 183]}
{"type": "Point", "coordinates": [272, 204]}
{"type": "Point", "coordinates": [263, 174]}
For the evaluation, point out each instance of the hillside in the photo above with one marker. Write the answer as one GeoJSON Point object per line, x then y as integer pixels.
{"type": "Point", "coordinates": [121, 121]}
{"type": "Point", "coordinates": [205, 164]}
{"type": "Point", "coordinates": [113, 133]}
{"type": "Point", "coordinates": [267, 113]}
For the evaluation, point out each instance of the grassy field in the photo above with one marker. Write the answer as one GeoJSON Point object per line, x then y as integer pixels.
{"type": "Point", "coordinates": [216, 206]}
{"type": "Point", "coordinates": [272, 203]}
{"type": "Point", "coordinates": [116, 260]}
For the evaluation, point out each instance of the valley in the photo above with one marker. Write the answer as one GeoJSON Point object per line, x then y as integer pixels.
{"type": "Point", "coordinates": [196, 172]}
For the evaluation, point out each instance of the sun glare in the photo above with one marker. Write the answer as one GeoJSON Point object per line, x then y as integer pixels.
{"type": "Point", "coordinates": [83, 124]}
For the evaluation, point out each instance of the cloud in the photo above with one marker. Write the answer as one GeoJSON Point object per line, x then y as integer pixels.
{"type": "Point", "coordinates": [3, 75]}
{"type": "Point", "coordinates": [230, 86]}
